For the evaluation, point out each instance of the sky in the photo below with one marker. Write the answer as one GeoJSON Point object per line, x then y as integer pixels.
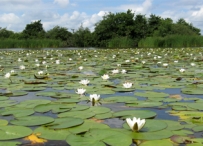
{"type": "Point", "coordinates": [16, 14]}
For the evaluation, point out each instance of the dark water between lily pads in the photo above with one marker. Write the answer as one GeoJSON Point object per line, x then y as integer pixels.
{"type": "Point", "coordinates": [159, 93]}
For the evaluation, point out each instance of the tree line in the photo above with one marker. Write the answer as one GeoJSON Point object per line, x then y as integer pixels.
{"type": "Point", "coordinates": [122, 29]}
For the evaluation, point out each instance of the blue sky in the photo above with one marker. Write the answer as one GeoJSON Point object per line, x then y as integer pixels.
{"type": "Point", "coordinates": [15, 14]}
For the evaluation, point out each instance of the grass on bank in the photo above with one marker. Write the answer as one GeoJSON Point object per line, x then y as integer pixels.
{"type": "Point", "coordinates": [121, 42]}
{"type": "Point", "coordinates": [172, 41]}
{"type": "Point", "coordinates": [30, 43]}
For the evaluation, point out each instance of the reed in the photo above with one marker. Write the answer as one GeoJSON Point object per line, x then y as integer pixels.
{"type": "Point", "coordinates": [172, 41]}
{"type": "Point", "coordinates": [121, 42]}
{"type": "Point", "coordinates": [30, 43]}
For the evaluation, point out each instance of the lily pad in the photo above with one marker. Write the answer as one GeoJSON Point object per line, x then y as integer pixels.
{"type": "Point", "coordinates": [52, 134]}
{"type": "Point", "coordinates": [3, 122]}
{"type": "Point", "coordinates": [32, 120]}
{"type": "Point", "coordinates": [77, 114]}
{"type": "Point", "coordinates": [13, 132]}
{"type": "Point", "coordinates": [157, 135]}
{"type": "Point", "coordinates": [143, 114]}
{"type": "Point", "coordinates": [32, 103]}
{"type": "Point", "coordinates": [87, 125]}
{"type": "Point", "coordinates": [61, 123]}
{"type": "Point", "coordinates": [150, 125]}
{"type": "Point", "coordinates": [17, 112]}
{"type": "Point", "coordinates": [163, 142]}
{"type": "Point", "coordinates": [6, 103]}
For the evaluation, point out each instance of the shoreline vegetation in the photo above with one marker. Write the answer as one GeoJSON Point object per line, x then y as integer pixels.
{"type": "Point", "coordinates": [115, 30]}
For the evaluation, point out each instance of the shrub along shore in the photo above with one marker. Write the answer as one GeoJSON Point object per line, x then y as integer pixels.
{"type": "Point", "coordinates": [152, 42]}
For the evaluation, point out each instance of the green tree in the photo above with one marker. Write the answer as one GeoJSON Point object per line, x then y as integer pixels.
{"type": "Point", "coordinates": [59, 33]}
{"type": "Point", "coordinates": [34, 30]}
{"type": "Point", "coordinates": [114, 25]}
{"type": "Point", "coordinates": [165, 28]}
{"type": "Point", "coordinates": [140, 27]}
{"type": "Point", "coordinates": [4, 33]}
{"type": "Point", "coordinates": [82, 37]}
{"type": "Point", "coordinates": [188, 27]}
{"type": "Point", "coordinates": [153, 24]}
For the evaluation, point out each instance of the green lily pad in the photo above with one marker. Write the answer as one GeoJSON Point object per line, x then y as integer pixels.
{"type": "Point", "coordinates": [87, 125]}
{"type": "Point", "coordinates": [193, 91]}
{"type": "Point", "coordinates": [100, 110]}
{"type": "Point", "coordinates": [3, 122]}
{"type": "Point", "coordinates": [32, 103]}
{"type": "Point", "coordinates": [55, 107]}
{"type": "Point", "coordinates": [143, 114]}
{"type": "Point", "coordinates": [52, 134]}
{"type": "Point", "coordinates": [18, 93]}
{"type": "Point", "coordinates": [198, 128]}
{"type": "Point", "coordinates": [17, 112]}
{"type": "Point", "coordinates": [3, 98]}
{"type": "Point", "coordinates": [32, 120]}
{"type": "Point", "coordinates": [13, 132]}
{"type": "Point", "coordinates": [151, 94]}
{"type": "Point", "coordinates": [99, 136]}
{"type": "Point", "coordinates": [126, 99]}
{"type": "Point", "coordinates": [10, 143]}
{"type": "Point", "coordinates": [6, 103]}
{"type": "Point", "coordinates": [150, 125]}
{"type": "Point", "coordinates": [77, 114]}
{"type": "Point", "coordinates": [182, 132]}
{"type": "Point", "coordinates": [173, 125]}
{"type": "Point", "coordinates": [144, 104]}
{"type": "Point", "coordinates": [61, 123]}
{"type": "Point", "coordinates": [163, 142]}
{"type": "Point", "coordinates": [156, 135]}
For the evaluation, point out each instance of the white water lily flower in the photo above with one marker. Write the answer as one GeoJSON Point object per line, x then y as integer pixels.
{"type": "Point", "coordinates": [176, 61]}
{"type": "Point", "coordinates": [84, 82]}
{"type": "Point", "coordinates": [37, 64]}
{"type": "Point", "coordinates": [80, 68]}
{"type": "Point", "coordinates": [165, 64]}
{"type": "Point", "coordinates": [118, 65]}
{"type": "Point", "coordinates": [192, 64]}
{"type": "Point", "coordinates": [115, 71]}
{"type": "Point", "coordinates": [43, 62]}
{"type": "Point", "coordinates": [7, 75]}
{"type": "Point", "coordinates": [143, 62]}
{"type": "Point", "coordinates": [57, 61]}
{"type": "Point", "coordinates": [136, 123]}
{"type": "Point", "coordinates": [114, 56]}
{"type": "Point", "coordinates": [105, 77]}
{"type": "Point", "coordinates": [94, 97]}
{"type": "Point", "coordinates": [40, 72]}
{"type": "Point", "coordinates": [19, 59]}
{"type": "Point", "coordinates": [182, 70]}
{"type": "Point", "coordinates": [81, 91]}
{"type": "Point", "coordinates": [159, 57]}
{"type": "Point", "coordinates": [127, 61]}
{"type": "Point", "coordinates": [123, 71]}
{"type": "Point", "coordinates": [22, 67]}
{"type": "Point", "coordinates": [12, 71]}
{"type": "Point", "coordinates": [127, 85]}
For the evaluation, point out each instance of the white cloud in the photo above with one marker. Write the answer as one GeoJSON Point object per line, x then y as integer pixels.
{"type": "Point", "coordinates": [62, 3]}
{"type": "Point", "coordinates": [190, 14]}
{"type": "Point", "coordinates": [9, 18]}
{"type": "Point", "coordinates": [142, 8]}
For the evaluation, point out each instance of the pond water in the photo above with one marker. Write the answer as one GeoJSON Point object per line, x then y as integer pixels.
{"type": "Point", "coordinates": [39, 104]}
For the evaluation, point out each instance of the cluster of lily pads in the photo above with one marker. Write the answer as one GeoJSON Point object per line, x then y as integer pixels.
{"type": "Point", "coordinates": [116, 97]}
